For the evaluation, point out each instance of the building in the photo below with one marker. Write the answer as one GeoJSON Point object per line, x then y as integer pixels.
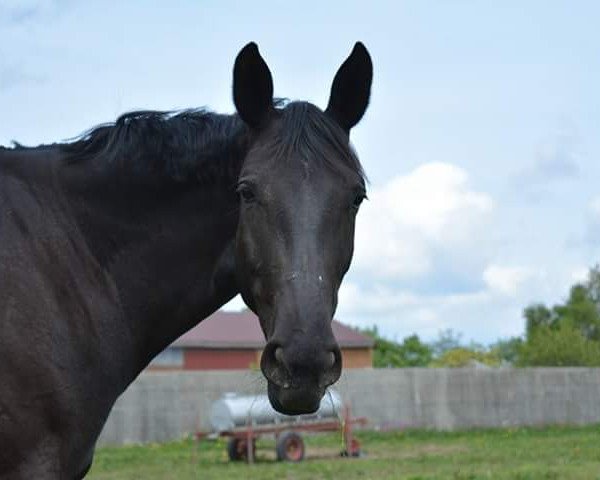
{"type": "Point", "coordinates": [234, 340]}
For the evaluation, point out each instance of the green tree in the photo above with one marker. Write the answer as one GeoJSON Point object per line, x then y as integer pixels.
{"type": "Point", "coordinates": [593, 285]}
{"type": "Point", "coordinates": [463, 357]}
{"type": "Point", "coordinates": [507, 350]}
{"type": "Point", "coordinates": [447, 340]}
{"type": "Point", "coordinates": [415, 352]}
{"type": "Point", "coordinates": [560, 347]}
{"type": "Point", "coordinates": [580, 312]}
{"type": "Point", "coordinates": [536, 316]}
{"type": "Point", "coordinates": [387, 353]}
{"type": "Point", "coordinates": [566, 334]}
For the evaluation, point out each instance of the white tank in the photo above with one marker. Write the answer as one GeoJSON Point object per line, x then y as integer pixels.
{"type": "Point", "coordinates": [233, 410]}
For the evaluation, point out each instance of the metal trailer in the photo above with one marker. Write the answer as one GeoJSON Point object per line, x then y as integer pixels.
{"type": "Point", "coordinates": [239, 419]}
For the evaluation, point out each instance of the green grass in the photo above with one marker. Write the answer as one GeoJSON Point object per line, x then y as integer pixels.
{"type": "Point", "coordinates": [521, 453]}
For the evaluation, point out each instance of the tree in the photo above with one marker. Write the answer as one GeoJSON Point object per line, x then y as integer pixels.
{"type": "Point", "coordinates": [449, 351]}
{"type": "Point", "coordinates": [580, 312]}
{"type": "Point", "coordinates": [593, 285]}
{"type": "Point", "coordinates": [536, 316]}
{"type": "Point", "coordinates": [463, 357]}
{"type": "Point", "coordinates": [387, 353]}
{"type": "Point", "coordinates": [447, 340]}
{"type": "Point", "coordinates": [415, 352]}
{"type": "Point", "coordinates": [507, 350]}
{"type": "Point", "coordinates": [566, 334]}
{"type": "Point", "coordinates": [560, 347]}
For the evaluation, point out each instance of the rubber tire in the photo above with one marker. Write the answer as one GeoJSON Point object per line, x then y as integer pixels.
{"type": "Point", "coordinates": [235, 452]}
{"type": "Point", "coordinates": [283, 444]}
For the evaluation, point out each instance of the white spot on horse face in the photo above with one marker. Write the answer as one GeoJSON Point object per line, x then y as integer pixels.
{"type": "Point", "coordinates": [320, 278]}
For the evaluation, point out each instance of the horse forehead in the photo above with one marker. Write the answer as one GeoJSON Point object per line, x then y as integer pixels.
{"type": "Point", "coordinates": [300, 178]}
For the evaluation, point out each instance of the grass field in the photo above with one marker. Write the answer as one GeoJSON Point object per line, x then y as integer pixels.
{"type": "Point", "coordinates": [523, 453]}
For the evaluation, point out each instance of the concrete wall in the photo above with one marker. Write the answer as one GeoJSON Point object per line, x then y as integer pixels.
{"type": "Point", "coordinates": [163, 406]}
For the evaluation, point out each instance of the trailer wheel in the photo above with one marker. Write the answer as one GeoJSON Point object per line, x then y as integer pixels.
{"type": "Point", "coordinates": [237, 449]}
{"type": "Point", "coordinates": [290, 447]}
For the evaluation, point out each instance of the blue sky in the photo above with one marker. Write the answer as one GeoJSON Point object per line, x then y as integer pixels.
{"type": "Point", "coordinates": [481, 142]}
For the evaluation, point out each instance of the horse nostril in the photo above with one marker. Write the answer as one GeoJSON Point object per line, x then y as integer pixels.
{"type": "Point", "coordinates": [279, 355]}
{"type": "Point", "coordinates": [331, 360]}
{"type": "Point", "coordinates": [333, 368]}
{"type": "Point", "coordinates": [274, 366]}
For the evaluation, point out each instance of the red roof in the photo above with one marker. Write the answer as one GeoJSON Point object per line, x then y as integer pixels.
{"type": "Point", "coordinates": [242, 330]}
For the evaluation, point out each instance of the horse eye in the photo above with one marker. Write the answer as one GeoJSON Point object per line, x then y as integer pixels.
{"type": "Point", "coordinates": [246, 193]}
{"type": "Point", "coordinates": [358, 199]}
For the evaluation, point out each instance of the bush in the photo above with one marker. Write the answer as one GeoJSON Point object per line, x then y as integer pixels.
{"type": "Point", "coordinates": [559, 347]}
{"type": "Point", "coordinates": [410, 353]}
{"type": "Point", "coordinates": [463, 357]}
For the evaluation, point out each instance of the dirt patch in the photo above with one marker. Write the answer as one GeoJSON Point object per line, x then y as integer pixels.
{"type": "Point", "coordinates": [324, 453]}
{"type": "Point", "coordinates": [312, 453]}
{"type": "Point", "coordinates": [383, 452]}
{"type": "Point", "coordinates": [370, 451]}
{"type": "Point", "coordinates": [429, 449]}
{"type": "Point", "coordinates": [432, 449]}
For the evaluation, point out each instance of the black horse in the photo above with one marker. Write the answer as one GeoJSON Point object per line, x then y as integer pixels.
{"type": "Point", "coordinates": [114, 244]}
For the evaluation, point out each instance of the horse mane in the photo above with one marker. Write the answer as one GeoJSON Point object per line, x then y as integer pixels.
{"type": "Point", "coordinates": [186, 145]}
{"type": "Point", "coordinates": [198, 145]}
{"type": "Point", "coordinates": [306, 131]}
{"type": "Point", "coordinates": [16, 146]}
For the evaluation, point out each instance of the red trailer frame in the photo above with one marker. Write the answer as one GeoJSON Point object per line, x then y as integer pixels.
{"type": "Point", "coordinates": [247, 435]}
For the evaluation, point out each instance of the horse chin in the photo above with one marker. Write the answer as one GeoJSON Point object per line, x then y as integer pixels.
{"type": "Point", "coordinates": [295, 401]}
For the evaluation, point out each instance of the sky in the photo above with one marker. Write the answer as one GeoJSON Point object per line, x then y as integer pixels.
{"type": "Point", "coordinates": [481, 142]}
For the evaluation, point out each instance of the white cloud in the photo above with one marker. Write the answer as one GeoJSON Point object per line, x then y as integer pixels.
{"type": "Point", "coordinates": [506, 280]}
{"type": "Point", "coordinates": [485, 314]}
{"type": "Point", "coordinates": [412, 216]}
{"type": "Point", "coordinates": [400, 312]}
{"type": "Point", "coordinates": [427, 259]}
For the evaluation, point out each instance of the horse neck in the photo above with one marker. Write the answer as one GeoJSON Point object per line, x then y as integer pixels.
{"type": "Point", "coordinates": [168, 249]}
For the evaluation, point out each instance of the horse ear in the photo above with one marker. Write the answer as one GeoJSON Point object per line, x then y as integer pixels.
{"type": "Point", "coordinates": [351, 88]}
{"type": "Point", "coordinates": [252, 86]}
